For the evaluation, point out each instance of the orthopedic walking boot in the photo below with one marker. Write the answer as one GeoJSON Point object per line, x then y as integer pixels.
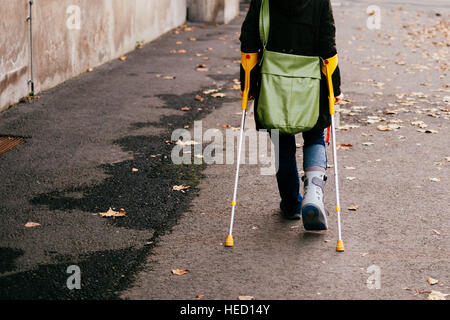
{"type": "Point", "coordinates": [313, 208]}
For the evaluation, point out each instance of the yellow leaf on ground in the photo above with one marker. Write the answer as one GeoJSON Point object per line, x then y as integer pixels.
{"type": "Point", "coordinates": [180, 272]}
{"type": "Point", "coordinates": [246, 298]}
{"type": "Point", "coordinates": [436, 295]}
{"type": "Point", "coordinates": [32, 224]}
{"type": "Point", "coordinates": [345, 146]}
{"type": "Point", "coordinates": [180, 188]}
{"type": "Point", "coordinates": [112, 213]}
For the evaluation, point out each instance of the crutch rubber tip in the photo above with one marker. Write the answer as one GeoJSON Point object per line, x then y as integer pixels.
{"type": "Point", "coordinates": [229, 242]}
{"type": "Point", "coordinates": [340, 246]}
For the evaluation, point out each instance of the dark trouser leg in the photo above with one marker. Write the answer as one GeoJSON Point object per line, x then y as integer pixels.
{"type": "Point", "coordinates": [287, 175]}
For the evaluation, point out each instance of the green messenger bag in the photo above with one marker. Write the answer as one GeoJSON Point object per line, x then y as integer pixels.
{"type": "Point", "coordinates": [290, 86]}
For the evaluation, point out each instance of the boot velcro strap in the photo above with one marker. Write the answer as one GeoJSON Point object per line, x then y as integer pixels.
{"type": "Point", "coordinates": [319, 182]}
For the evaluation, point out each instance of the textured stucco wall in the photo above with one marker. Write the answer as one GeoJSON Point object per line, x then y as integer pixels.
{"type": "Point", "coordinates": [107, 29]}
{"type": "Point", "coordinates": [14, 51]}
{"type": "Point", "coordinates": [219, 11]}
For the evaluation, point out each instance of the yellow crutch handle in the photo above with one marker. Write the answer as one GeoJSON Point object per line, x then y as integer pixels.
{"type": "Point", "coordinates": [328, 67]}
{"type": "Point", "coordinates": [248, 61]}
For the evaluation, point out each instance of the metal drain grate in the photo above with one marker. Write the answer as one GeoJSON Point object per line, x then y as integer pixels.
{"type": "Point", "coordinates": [7, 143]}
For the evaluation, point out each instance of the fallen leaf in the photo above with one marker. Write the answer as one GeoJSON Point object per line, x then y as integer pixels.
{"type": "Point", "coordinates": [345, 146]}
{"type": "Point", "coordinates": [112, 213]}
{"type": "Point", "coordinates": [200, 296]}
{"type": "Point", "coordinates": [436, 232]}
{"type": "Point", "coordinates": [419, 124]}
{"type": "Point", "coordinates": [364, 254]}
{"type": "Point", "coordinates": [134, 170]}
{"type": "Point", "coordinates": [123, 58]}
{"type": "Point", "coordinates": [185, 109]}
{"type": "Point", "coordinates": [389, 127]}
{"type": "Point", "coordinates": [90, 69]}
{"type": "Point", "coordinates": [180, 188]}
{"type": "Point", "coordinates": [350, 178]}
{"type": "Point", "coordinates": [436, 295]}
{"type": "Point", "coordinates": [384, 128]}
{"type": "Point", "coordinates": [435, 179]}
{"type": "Point", "coordinates": [169, 77]}
{"type": "Point", "coordinates": [32, 224]}
{"type": "Point", "coordinates": [199, 98]}
{"type": "Point", "coordinates": [432, 281]}
{"type": "Point", "coordinates": [179, 272]}
{"type": "Point", "coordinates": [218, 95]}
{"type": "Point", "coordinates": [246, 298]}
{"type": "Point", "coordinates": [209, 91]}
{"type": "Point", "coordinates": [427, 131]}
{"type": "Point", "coordinates": [187, 143]}
{"type": "Point", "coordinates": [353, 208]}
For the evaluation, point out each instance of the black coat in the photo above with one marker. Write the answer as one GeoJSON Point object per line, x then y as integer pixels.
{"type": "Point", "coordinates": [301, 27]}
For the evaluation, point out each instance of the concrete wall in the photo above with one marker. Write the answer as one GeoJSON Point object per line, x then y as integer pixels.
{"type": "Point", "coordinates": [63, 48]}
{"type": "Point", "coordinates": [219, 11]}
{"type": "Point", "coordinates": [14, 51]}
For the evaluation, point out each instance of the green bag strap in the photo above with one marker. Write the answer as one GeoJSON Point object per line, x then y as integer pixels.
{"type": "Point", "coordinates": [264, 22]}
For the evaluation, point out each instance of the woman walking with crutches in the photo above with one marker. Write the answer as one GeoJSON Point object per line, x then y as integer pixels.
{"type": "Point", "coordinates": [292, 38]}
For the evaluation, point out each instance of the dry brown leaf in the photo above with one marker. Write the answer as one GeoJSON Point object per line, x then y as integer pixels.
{"type": "Point", "coordinates": [209, 91]}
{"type": "Point", "coordinates": [432, 281]}
{"type": "Point", "coordinates": [200, 296]}
{"type": "Point", "coordinates": [436, 295]}
{"type": "Point", "coordinates": [180, 272]}
{"type": "Point", "coordinates": [345, 146]}
{"type": "Point", "coordinates": [185, 108]}
{"type": "Point", "coordinates": [112, 213]}
{"type": "Point", "coordinates": [246, 298]}
{"type": "Point", "coordinates": [218, 95]}
{"type": "Point", "coordinates": [180, 188]}
{"type": "Point", "coordinates": [199, 98]}
{"type": "Point", "coordinates": [169, 77]}
{"type": "Point", "coordinates": [353, 208]}
{"type": "Point", "coordinates": [384, 128]}
{"type": "Point", "coordinates": [31, 224]}
{"type": "Point", "coordinates": [123, 58]}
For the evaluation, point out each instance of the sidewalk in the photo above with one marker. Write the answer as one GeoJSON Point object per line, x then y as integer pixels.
{"type": "Point", "coordinates": [87, 135]}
